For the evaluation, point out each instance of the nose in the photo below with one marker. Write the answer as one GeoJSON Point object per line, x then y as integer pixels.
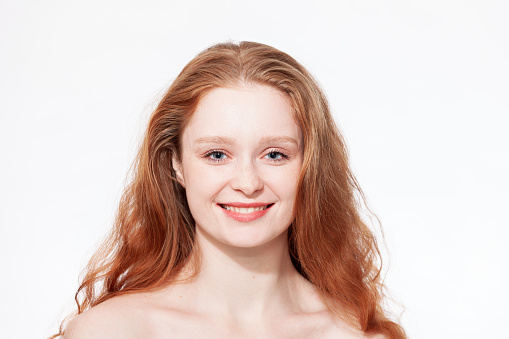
{"type": "Point", "coordinates": [247, 179]}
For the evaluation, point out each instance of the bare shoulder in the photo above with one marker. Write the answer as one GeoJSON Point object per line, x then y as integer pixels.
{"type": "Point", "coordinates": [321, 323]}
{"type": "Point", "coordinates": [118, 317]}
{"type": "Point", "coordinates": [339, 329]}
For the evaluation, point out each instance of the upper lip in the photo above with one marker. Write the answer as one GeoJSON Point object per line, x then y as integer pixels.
{"type": "Point", "coordinates": [246, 204]}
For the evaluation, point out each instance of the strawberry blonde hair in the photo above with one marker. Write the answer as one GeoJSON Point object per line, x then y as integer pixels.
{"type": "Point", "coordinates": [330, 245]}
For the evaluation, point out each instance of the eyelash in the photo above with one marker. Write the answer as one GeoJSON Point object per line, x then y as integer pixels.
{"type": "Point", "coordinates": [283, 156]}
{"type": "Point", "coordinates": [209, 153]}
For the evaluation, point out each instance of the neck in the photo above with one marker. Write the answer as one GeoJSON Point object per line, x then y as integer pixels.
{"type": "Point", "coordinates": [247, 284]}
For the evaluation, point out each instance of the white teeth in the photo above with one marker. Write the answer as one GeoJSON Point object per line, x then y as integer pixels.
{"type": "Point", "coordinates": [244, 210]}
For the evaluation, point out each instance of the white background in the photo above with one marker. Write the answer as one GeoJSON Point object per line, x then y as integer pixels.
{"type": "Point", "coordinates": [419, 88]}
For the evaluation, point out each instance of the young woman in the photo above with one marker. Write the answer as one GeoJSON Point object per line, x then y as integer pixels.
{"type": "Point", "coordinates": [242, 217]}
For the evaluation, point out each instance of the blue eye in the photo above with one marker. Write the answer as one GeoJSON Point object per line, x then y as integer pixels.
{"type": "Point", "coordinates": [276, 156]}
{"type": "Point", "coordinates": [215, 156]}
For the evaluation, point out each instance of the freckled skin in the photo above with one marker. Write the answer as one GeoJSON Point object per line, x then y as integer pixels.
{"type": "Point", "coordinates": [247, 168]}
{"type": "Point", "coordinates": [241, 145]}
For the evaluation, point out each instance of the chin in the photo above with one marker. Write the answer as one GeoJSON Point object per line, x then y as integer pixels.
{"type": "Point", "coordinates": [248, 237]}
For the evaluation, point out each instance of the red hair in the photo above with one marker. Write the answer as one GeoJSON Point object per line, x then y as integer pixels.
{"type": "Point", "coordinates": [330, 245]}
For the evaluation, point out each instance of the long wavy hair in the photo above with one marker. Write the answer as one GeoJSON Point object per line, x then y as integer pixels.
{"type": "Point", "coordinates": [330, 245]}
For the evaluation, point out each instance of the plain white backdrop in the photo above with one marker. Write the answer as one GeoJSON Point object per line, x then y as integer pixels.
{"type": "Point", "coordinates": [420, 89]}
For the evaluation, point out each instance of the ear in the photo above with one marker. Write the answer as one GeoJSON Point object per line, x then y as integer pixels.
{"type": "Point", "coordinates": [177, 167]}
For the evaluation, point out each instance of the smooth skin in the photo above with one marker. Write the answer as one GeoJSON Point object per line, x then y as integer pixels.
{"type": "Point", "coordinates": [242, 145]}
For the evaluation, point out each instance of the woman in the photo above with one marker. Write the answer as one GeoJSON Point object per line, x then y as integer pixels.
{"type": "Point", "coordinates": [242, 217]}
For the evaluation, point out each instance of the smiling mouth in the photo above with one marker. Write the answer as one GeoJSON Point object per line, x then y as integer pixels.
{"type": "Point", "coordinates": [245, 210]}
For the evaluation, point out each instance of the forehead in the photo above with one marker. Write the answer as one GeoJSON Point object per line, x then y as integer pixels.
{"type": "Point", "coordinates": [243, 111]}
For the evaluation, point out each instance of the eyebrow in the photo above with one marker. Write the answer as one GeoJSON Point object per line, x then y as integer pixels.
{"type": "Point", "coordinates": [215, 140]}
{"type": "Point", "coordinates": [231, 141]}
{"type": "Point", "coordinates": [278, 139]}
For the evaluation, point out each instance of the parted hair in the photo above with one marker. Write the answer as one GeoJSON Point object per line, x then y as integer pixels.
{"type": "Point", "coordinates": [330, 244]}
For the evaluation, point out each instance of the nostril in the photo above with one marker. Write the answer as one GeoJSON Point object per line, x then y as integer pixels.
{"type": "Point", "coordinates": [246, 178]}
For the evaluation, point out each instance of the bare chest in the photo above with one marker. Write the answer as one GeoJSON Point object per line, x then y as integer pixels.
{"type": "Point", "coordinates": [188, 327]}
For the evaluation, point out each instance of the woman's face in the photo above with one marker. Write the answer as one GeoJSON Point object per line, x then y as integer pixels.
{"type": "Point", "coordinates": [241, 160]}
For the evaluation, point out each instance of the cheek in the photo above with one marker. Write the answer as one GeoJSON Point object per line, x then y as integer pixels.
{"type": "Point", "coordinates": [284, 182]}
{"type": "Point", "coordinates": [203, 182]}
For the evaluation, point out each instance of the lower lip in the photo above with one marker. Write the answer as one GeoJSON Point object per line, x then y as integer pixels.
{"type": "Point", "coordinates": [246, 217]}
